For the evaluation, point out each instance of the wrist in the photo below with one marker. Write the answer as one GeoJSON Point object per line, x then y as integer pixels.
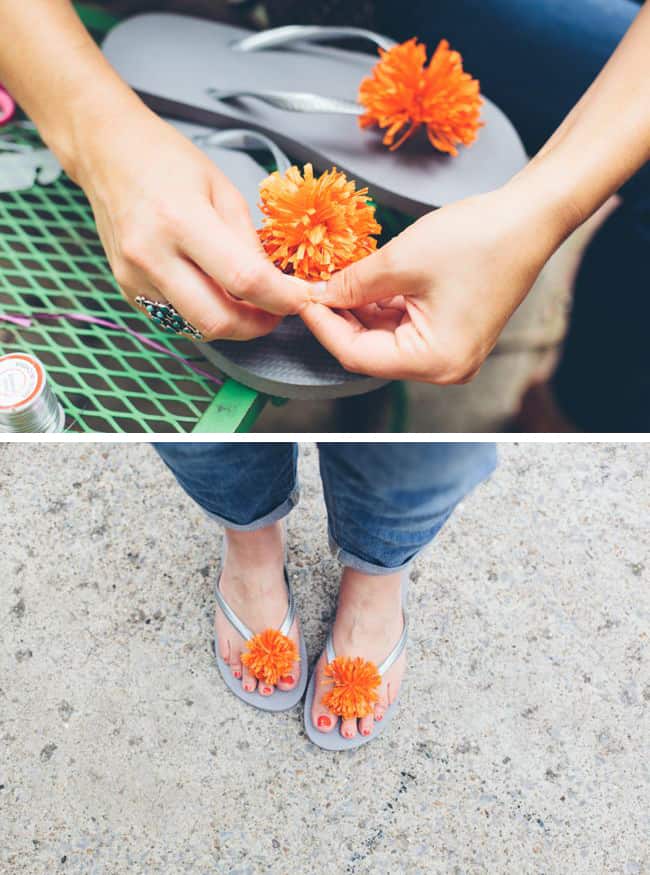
{"type": "Point", "coordinates": [544, 191]}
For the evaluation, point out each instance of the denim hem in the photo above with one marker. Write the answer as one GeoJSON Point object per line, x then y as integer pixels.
{"type": "Point", "coordinates": [351, 561]}
{"type": "Point", "coordinates": [272, 516]}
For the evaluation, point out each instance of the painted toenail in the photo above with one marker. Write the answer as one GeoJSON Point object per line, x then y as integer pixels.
{"type": "Point", "coordinates": [237, 674]}
{"type": "Point", "coordinates": [266, 689]}
{"type": "Point", "coordinates": [288, 679]}
{"type": "Point", "coordinates": [379, 716]}
{"type": "Point", "coordinates": [248, 688]}
{"type": "Point", "coordinates": [365, 731]}
{"type": "Point", "coordinates": [324, 721]}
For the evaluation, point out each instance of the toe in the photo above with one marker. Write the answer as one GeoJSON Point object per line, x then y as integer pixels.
{"type": "Point", "coordinates": [249, 681]}
{"type": "Point", "coordinates": [265, 689]}
{"type": "Point", "coordinates": [322, 718]}
{"type": "Point", "coordinates": [380, 710]}
{"type": "Point", "coordinates": [366, 724]}
{"type": "Point", "coordinates": [224, 648]}
{"type": "Point", "coordinates": [235, 662]}
{"type": "Point", "coordinates": [290, 679]}
{"type": "Point", "coordinates": [349, 728]}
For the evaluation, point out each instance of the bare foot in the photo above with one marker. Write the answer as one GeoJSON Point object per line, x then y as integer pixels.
{"type": "Point", "coordinates": [252, 582]}
{"type": "Point", "coordinates": [368, 624]}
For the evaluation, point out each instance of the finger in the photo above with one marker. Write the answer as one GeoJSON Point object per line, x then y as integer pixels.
{"type": "Point", "coordinates": [366, 281]}
{"type": "Point", "coordinates": [204, 304]}
{"type": "Point", "coordinates": [376, 316]}
{"type": "Point", "coordinates": [241, 268]}
{"type": "Point", "coordinates": [372, 352]}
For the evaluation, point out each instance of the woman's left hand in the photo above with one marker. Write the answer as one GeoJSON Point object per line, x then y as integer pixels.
{"type": "Point", "coordinates": [431, 304]}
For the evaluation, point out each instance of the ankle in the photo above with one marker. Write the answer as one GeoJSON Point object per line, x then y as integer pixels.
{"type": "Point", "coordinates": [369, 606]}
{"type": "Point", "coordinates": [256, 549]}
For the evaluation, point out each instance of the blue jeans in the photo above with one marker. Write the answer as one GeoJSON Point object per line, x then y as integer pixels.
{"type": "Point", "coordinates": [385, 502]}
{"type": "Point", "coordinates": [535, 58]}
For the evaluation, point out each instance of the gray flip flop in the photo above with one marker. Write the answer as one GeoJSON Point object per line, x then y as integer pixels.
{"type": "Point", "coordinates": [289, 362]}
{"type": "Point", "coordinates": [333, 740]}
{"type": "Point", "coordinates": [215, 74]}
{"type": "Point", "coordinates": [279, 700]}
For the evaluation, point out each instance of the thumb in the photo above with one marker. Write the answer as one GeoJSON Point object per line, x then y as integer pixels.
{"type": "Point", "coordinates": [365, 282]}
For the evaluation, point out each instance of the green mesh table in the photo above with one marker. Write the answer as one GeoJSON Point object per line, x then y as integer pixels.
{"type": "Point", "coordinates": [51, 263]}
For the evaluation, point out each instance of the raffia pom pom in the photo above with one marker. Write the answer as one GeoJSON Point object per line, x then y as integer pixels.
{"type": "Point", "coordinates": [355, 684]}
{"type": "Point", "coordinates": [402, 94]}
{"type": "Point", "coordinates": [270, 655]}
{"type": "Point", "coordinates": [314, 226]}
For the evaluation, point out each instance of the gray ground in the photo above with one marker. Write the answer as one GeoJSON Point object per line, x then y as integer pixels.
{"type": "Point", "coordinates": [522, 745]}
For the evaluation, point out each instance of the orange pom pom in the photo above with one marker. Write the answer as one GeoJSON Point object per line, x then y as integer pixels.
{"type": "Point", "coordinates": [355, 686]}
{"type": "Point", "coordinates": [270, 655]}
{"type": "Point", "coordinates": [401, 92]}
{"type": "Point", "coordinates": [315, 225]}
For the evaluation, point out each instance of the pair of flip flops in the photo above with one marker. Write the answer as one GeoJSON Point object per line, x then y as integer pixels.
{"type": "Point", "coordinates": [286, 84]}
{"type": "Point", "coordinates": [354, 680]}
{"type": "Point", "coordinates": [300, 94]}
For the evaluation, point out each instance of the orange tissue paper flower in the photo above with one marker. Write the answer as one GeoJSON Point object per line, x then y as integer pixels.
{"type": "Point", "coordinates": [314, 226]}
{"type": "Point", "coordinates": [270, 655]}
{"type": "Point", "coordinates": [355, 684]}
{"type": "Point", "coordinates": [402, 93]}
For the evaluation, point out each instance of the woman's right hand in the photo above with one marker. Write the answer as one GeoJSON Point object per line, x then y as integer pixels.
{"type": "Point", "coordinates": [176, 230]}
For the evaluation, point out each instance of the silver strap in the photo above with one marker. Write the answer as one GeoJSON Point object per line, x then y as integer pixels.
{"type": "Point", "coordinates": [292, 33]}
{"type": "Point", "coordinates": [294, 101]}
{"type": "Point", "coordinates": [244, 138]}
{"type": "Point", "coordinates": [392, 657]}
{"type": "Point", "coordinates": [241, 627]}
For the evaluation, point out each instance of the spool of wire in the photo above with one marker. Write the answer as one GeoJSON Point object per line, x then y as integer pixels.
{"type": "Point", "coordinates": [27, 401]}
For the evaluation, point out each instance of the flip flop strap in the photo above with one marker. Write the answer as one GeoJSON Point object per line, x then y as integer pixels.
{"type": "Point", "coordinates": [244, 138]}
{"type": "Point", "coordinates": [241, 627]}
{"type": "Point", "coordinates": [293, 101]}
{"type": "Point", "coordinates": [291, 33]}
{"type": "Point", "coordinates": [392, 657]}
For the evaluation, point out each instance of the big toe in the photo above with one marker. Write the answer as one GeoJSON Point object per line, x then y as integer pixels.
{"type": "Point", "coordinates": [322, 717]}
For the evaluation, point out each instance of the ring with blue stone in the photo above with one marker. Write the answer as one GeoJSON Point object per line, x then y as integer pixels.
{"type": "Point", "coordinates": [167, 318]}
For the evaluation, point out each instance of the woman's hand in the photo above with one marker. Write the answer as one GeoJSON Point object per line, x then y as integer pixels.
{"type": "Point", "coordinates": [431, 304]}
{"type": "Point", "coordinates": [175, 229]}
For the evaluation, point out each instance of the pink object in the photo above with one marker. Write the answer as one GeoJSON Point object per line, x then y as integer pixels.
{"type": "Point", "coordinates": [26, 321]}
{"type": "Point", "coordinates": [7, 106]}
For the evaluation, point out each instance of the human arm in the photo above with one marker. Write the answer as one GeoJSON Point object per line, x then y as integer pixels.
{"type": "Point", "coordinates": [173, 226]}
{"type": "Point", "coordinates": [461, 271]}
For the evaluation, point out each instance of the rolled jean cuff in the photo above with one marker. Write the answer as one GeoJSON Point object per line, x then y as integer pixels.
{"type": "Point", "coordinates": [278, 513]}
{"type": "Point", "coordinates": [351, 561]}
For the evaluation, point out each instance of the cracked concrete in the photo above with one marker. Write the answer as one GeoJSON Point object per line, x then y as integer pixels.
{"type": "Point", "coordinates": [523, 740]}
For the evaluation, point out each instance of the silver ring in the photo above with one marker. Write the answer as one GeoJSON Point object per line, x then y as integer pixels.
{"type": "Point", "coordinates": [168, 318]}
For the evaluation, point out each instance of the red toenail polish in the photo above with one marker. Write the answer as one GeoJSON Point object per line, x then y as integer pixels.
{"type": "Point", "coordinates": [237, 674]}
{"type": "Point", "coordinates": [379, 716]}
{"type": "Point", "coordinates": [266, 690]}
{"type": "Point", "coordinates": [288, 679]}
{"type": "Point", "coordinates": [324, 721]}
{"type": "Point", "coordinates": [366, 731]}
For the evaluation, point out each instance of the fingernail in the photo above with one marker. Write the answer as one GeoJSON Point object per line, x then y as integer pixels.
{"type": "Point", "coordinates": [323, 720]}
{"type": "Point", "coordinates": [318, 291]}
{"type": "Point", "coordinates": [288, 679]}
